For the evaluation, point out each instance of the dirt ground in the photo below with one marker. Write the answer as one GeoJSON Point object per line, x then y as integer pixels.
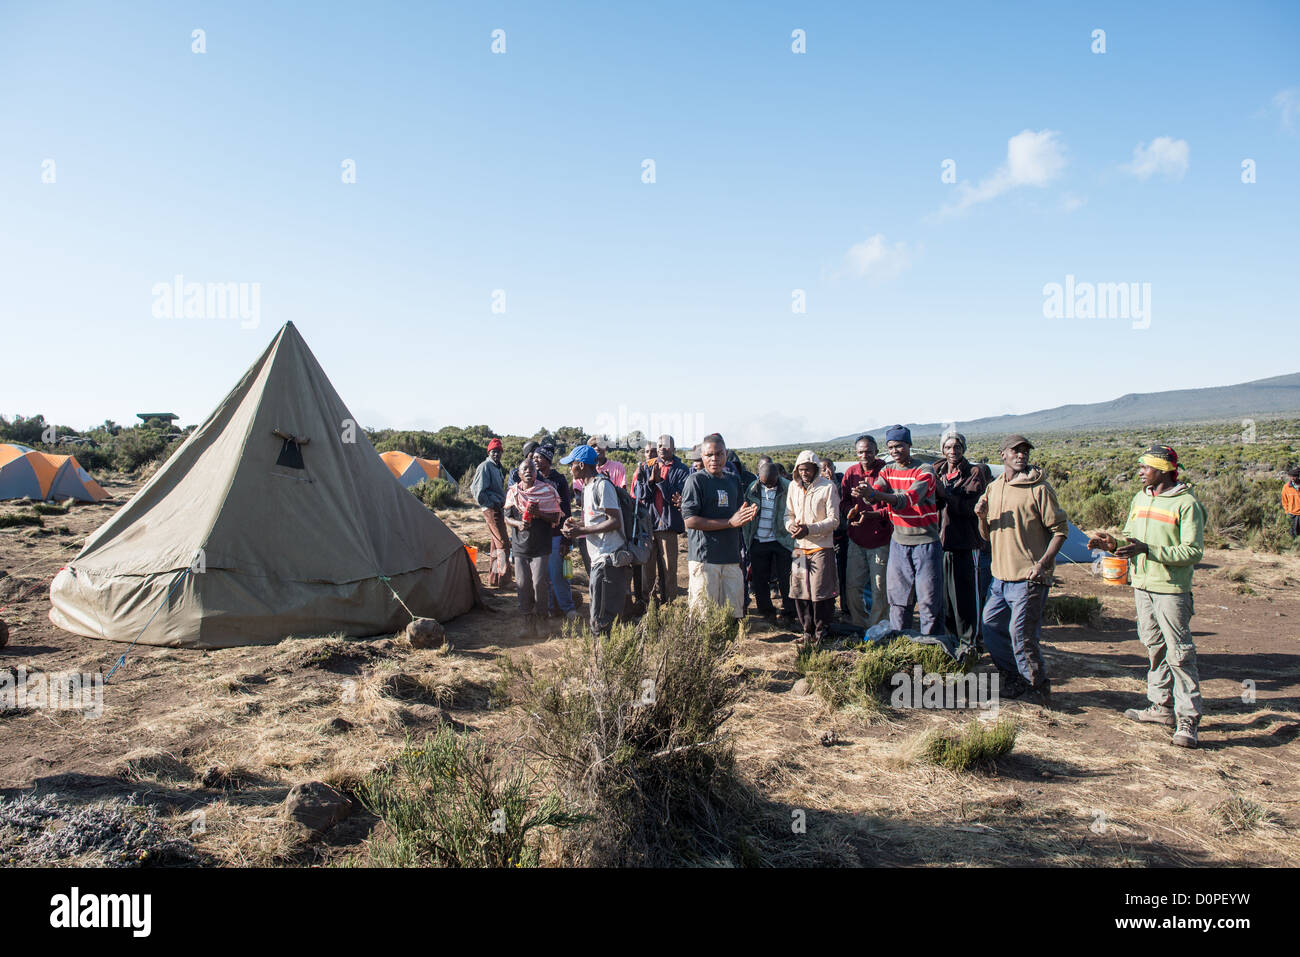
{"type": "Point", "coordinates": [214, 740]}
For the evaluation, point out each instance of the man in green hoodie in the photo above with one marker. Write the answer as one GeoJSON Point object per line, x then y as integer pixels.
{"type": "Point", "coordinates": [1163, 539]}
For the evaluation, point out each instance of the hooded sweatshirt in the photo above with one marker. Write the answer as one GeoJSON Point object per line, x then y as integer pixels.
{"type": "Point", "coordinates": [1024, 516]}
{"type": "Point", "coordinates": [816, 506]}
{"type": "Point", "coordinates": [1172, 524]}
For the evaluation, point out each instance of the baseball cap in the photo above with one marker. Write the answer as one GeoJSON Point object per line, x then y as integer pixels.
{"type": "Point", "coordinates": [582, 453]}
{"type": "Point", "coordinates": [1011, 441]}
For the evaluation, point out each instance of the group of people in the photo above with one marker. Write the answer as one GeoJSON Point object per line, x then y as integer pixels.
{"type": "Point", "coordinates": [968, 554]}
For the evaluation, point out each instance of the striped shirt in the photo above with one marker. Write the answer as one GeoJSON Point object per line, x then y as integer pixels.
{"type": "Point", "coordinates": [912, 504]}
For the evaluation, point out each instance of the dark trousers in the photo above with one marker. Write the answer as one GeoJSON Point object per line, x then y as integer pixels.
{"type": "Point", "coordinates": [961, 591]}
{"type": "Point", "coordinates": [815, 616]}
{"type": "Point", "coordinates": [770, 560]}
{"type": "Point", "coordinates": [533, 582]}
{"type": "Point", "coordinates": [608, 593]}
{"type": "Point", "coordinates": [842, 569]}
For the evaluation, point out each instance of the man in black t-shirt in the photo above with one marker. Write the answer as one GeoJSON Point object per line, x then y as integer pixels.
{"type": "Point", "coordinates": [714, 515]}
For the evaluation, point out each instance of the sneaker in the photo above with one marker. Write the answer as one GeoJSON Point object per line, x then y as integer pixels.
{"type": "Point", "coordinates": [1185, 736]}
{"type": "Point", "coordinates": [1153, 714]}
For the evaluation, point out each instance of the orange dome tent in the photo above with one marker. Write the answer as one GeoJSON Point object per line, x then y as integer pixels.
{"type": "Point", "coordinates": [411, 470]}
{"type": "Point", "coordinates": [26, 473]}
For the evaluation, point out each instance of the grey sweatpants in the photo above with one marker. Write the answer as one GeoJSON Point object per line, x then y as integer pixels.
{"type": "Point", "coordinates": [1164, 624]}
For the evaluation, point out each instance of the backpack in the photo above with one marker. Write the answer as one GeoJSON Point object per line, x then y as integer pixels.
{"type": "Point", "coordinates": [638, 527]}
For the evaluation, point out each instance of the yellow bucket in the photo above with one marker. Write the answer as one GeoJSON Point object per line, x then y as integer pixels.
{"type": "Point", "coordinates": [1114, 571]}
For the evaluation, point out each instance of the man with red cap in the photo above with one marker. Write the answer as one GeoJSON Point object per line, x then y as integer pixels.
{"type": "Point", "coordinates": [1163, 539]}
{"type": "Point", "coordinates": [489, 491]}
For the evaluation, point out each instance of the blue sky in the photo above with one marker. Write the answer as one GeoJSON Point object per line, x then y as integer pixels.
{"type": "Point", "coordinates": [522, 172]}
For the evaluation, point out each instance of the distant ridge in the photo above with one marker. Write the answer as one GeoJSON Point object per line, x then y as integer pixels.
{"type": "Point", "coordinates": [1261, 398]}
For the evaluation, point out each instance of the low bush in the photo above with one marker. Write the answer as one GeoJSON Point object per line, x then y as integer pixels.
{"type": "Point", "coordinates": [863, 676]}
{"type": "Point", "coordinates": [438, 494]}
{"type": "Point", "coordinates": [1072, 610]}
{"type": "Point", "coordinates": [445, 803]}
{"type": "Point", "coordinates": [17, 519]}
{"type": "Point", "coordinates": [977, 745]}
{"type": "Point", "coordinates": [631, 723]}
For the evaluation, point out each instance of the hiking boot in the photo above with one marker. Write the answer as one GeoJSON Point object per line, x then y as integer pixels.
{"type": "Point", "coordinates": [1040, 694]}
{"type": "Point", "coordinates": [1154, 714]}
{"type": "Point", "coordinates": [1185, 736]}
{"type": "Point", "coordinates": [1011, 686]}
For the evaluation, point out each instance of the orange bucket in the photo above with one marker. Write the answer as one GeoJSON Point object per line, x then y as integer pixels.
{"type": "Point", "coordinates": [473, 555]}
{"type": "Point", "coordinates": [1114, 571]}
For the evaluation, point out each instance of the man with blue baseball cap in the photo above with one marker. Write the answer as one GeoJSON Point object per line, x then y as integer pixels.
{"type": "Point", "coordinates": [601, 525]}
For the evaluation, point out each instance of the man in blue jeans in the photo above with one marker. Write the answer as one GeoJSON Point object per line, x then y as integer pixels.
{"type": "Point", "coordinates": [561, 595]}
{"type": "Point", "coordinates": [1025, 526]}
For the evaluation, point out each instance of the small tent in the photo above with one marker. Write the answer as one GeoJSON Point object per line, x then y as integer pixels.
{"type": "Point", "coordinates": [411, 470]}
{"type": "Point", "coordinates": [275, 518]}
{"type": "Point", "coordinates": [26, 473]}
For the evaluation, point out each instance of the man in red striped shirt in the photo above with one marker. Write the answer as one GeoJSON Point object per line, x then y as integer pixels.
{"type": "Point", "coordinates": [915, 572]}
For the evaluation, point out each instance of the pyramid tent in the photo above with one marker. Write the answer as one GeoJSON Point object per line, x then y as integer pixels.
{"type": "Point", "coordinates": [26, 473]}
{"type": "Point", "coordinates": [275, 518]}
{"type": "Point", "coordinates": [411, 470]}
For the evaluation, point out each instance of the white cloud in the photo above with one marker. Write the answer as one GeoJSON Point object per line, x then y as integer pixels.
{"type": "Point", "coordinates": [1165, 156]}
{"type": "Point", "coordinates": [1286, 103]}
{"type": "Point", "coordinates": [1071, 203]}
{"type": "Point", "coordinates": [1033, 159]}
{"type": "Point", "coordinates": [875, 258]}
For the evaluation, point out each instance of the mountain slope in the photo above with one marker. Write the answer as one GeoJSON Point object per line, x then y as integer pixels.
{"type": "Point", "coordinates": [1260, 398]}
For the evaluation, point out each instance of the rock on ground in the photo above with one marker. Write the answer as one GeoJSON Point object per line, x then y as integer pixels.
{"type": "Point", "coordinates": [426, 633]}
{"type": "Point", "coordinates": [316, 806]}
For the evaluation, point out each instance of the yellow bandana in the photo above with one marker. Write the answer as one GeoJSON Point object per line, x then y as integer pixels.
{"type": "Point", "coordinates": [1155, 462]}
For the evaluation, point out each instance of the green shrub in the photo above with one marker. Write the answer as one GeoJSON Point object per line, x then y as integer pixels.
{"type": "Point", "coordinates": [975, 745]}
{"type": "Point", "coordinates": [863, 676]}
{"type": "Point", "coordinates": [632, 723]}
{"type": "Point", "coordinates": [1072, 610]}
{"type": "Point", "coordinates": [41, 508]}
{"type": "Point", "coordinates": [133, 449]}
{"type": "Point", "coordinates": [447, 804]}
{"type": "Point", "coordinates": [438, 494]}
{"type": "Point", "coordinates": [16, 519]}
{"type": "Point", "coordinates": [1101, 510]}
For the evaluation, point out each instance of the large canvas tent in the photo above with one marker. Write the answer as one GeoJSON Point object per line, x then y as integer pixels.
{"type": "Point", "coordinates": [27, 473]}
{"type": "Point", "coordinates": [275, 518]}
